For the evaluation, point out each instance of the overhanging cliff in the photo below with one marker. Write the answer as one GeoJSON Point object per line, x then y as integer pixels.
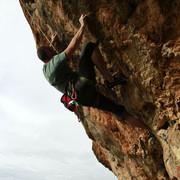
{"type": "Point", "coordinates": [141, 39]}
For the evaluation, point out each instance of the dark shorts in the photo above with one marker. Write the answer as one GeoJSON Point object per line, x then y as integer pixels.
{"type": "Point", "coordinates": [87, 94]}
{"type": "Point", "coordinates": [86, 66]}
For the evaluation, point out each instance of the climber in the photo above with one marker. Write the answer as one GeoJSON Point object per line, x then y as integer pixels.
{"type": "Point", "coordinates": [58, 74]}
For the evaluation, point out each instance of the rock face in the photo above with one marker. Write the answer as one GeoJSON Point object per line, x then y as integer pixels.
{"type": "Point", "coordinates": [139, 38]}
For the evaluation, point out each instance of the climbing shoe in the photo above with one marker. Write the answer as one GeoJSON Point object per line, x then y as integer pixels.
{"type": "Point", "coordinates": [117, 81]}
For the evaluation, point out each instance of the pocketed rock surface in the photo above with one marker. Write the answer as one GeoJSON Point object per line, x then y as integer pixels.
{"type": "Point", "coordinates": [140, 39]}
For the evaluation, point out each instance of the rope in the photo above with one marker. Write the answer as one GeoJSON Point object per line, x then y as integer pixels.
{"type": "Point", "coordinates": [38, 26]}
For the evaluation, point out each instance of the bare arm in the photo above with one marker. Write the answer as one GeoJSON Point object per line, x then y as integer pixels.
{"type": "Point", "coordinates": [76, 40]}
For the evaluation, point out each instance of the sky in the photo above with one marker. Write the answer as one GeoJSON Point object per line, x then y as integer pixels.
{"type": "Point", "coordinates": [39, 138]}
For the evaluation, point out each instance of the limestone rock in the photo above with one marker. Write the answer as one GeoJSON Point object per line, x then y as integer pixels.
{"type": "Point", "coordinates": [139, 38]}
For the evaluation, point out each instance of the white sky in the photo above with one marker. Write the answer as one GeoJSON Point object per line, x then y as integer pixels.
{"type": "Point", "coordinates": [39, 138]}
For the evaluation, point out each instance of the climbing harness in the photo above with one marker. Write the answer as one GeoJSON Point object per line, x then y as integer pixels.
{"type": "Point", "coordinates": [69, 99]}
{"type": "Point", "coordinates": [68, 102]}
{"type": "Point", "coordinates": [38, 26]}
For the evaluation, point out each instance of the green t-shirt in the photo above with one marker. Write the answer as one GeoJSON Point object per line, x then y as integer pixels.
{"type": "Point", "coordinates": [57, 72]}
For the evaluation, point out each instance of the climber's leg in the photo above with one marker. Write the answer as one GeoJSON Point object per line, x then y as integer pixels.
{"type": "Point", "coordinates": [90, 57]}
{"type": "Point", "coordinates": [98, 61]}
{"type": "Point", "coordinates": [86, 66]}
{"type": "Point", "coordinates": [120, 111]}
{"type": "Point", "coordinates": [105, 104]}
{"type": "Point", "coordinates": [88, 96]}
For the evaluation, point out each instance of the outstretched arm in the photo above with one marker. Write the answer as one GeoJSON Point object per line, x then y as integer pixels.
{"type": "Point", "coordinates": [76, 40]}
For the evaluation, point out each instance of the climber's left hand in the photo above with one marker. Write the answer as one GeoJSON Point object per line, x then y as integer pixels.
{"type": "Point", "coordinates": [53, 37]}
{"type": "Point", "coordinates": [82, 19]}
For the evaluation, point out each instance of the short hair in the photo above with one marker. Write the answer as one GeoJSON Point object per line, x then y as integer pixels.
{"type": "Point", "coordinates": [41, 52]}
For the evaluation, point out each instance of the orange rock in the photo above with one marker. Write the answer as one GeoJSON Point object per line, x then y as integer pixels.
{"type": "Point", "coordinates": [150, 61]}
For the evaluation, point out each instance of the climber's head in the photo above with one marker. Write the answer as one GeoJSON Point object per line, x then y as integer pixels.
{"type": "Point", "coordinates": [45, 53]}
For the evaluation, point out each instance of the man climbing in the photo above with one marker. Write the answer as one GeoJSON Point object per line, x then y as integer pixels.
{"type": "Point", "coordinates": [58, 74]}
